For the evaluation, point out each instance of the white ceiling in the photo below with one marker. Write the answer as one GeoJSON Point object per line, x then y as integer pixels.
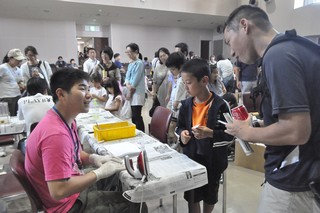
{"type": "Point", "coordinates": [104, 15]}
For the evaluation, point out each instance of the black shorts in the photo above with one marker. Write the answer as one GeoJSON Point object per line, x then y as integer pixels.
{"type": "Point", "coordinates": [207, 193]}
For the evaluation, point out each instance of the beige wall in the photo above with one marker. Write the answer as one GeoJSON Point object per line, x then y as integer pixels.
{"type": "Point", "coordinates": [151, 38]}
{"type": "Point", "coordinates": [51, 38]}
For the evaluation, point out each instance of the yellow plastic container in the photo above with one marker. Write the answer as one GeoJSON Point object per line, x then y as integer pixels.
{"type": "Point", "coordinates": [114, 131]}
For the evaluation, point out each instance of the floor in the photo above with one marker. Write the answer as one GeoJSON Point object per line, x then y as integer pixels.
{"type": "Point", "coordinates": [243, 189]}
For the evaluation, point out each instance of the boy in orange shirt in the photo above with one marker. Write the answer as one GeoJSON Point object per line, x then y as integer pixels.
{"type": "Point", "coordinates": [198, 129]}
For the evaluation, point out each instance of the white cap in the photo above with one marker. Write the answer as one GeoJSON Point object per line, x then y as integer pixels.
{"type": "Point", "coordinates": [17, 54]}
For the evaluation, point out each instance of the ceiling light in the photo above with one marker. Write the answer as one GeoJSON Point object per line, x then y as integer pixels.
{"type": "Point", "coordinates": [100, 10]}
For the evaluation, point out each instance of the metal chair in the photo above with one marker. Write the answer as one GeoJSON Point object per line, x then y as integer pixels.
{"type": "Point", "coordinates": [17, 166]}
{"type": "Point", "coordinates": [159, 124]}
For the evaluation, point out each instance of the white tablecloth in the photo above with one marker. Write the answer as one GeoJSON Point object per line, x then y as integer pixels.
{"type": "Point", "coordinates": [170, 172]}
{"type": "Point", "coordinates": [15, 126]}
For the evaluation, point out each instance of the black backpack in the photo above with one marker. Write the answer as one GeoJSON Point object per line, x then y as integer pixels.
{"type": "Point", "coordinates": [261, 88]}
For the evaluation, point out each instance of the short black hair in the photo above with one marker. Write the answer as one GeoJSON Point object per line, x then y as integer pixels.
{"type": "Point", "coordinates": [66, 78]}
{"type": "Point", "coordinates": [108, 51]}
{"type": "Point", "coordinates": [37, 85]}
{"type": "Point", "coordinates": [183, 47]}
{"type": "Point", "coordinates": [90, 48]}
{"type": "Point", "coordinates": [231, 99]}
{"type": "Point", "coordinates": [198, 67]}
{"type": "Point", "coordinates": [116, 55]}
{"type": "Point", "coordinates": [60, 57]}
{"type": "Point", "coordinates": [96, 77]}
{"type": "Point", "coordinates": [250, 12]}
{"type": "Point", "coordinates": [176, 59]}
{"type": "Point", "coordinates": [32, 49]}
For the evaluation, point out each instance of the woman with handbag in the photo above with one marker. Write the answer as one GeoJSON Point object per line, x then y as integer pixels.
{"type": "Point", "coordinates": [160, 78]}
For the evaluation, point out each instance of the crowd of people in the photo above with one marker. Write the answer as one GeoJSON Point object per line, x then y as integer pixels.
{"type": "Point", "coordinates": [194, 89]}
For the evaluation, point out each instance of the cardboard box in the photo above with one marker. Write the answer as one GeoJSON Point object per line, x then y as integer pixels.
{"type": "Point", "coordinates": [255, 161]}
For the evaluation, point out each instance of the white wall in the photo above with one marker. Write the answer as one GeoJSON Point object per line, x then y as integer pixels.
{"type": "Point", "coordinates": [283, 16]}
{"type": "Point", "coordinates": [211, 7]}
{"type": "Point", "coordinates": [50, 38]}
{"type": "Point", "coordinates": [151, 38]}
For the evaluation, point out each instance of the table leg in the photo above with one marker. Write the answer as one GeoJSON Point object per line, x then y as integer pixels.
{"type": "Point", "coordinates": [175, 203]}
{"type": "Point", "coordinates": [224, 199]}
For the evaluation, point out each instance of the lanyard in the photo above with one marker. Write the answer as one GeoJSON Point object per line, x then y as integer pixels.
{"type": "Point", "coordinates": [75, 141]}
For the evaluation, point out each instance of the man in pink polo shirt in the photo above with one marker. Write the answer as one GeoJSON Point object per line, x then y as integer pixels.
{"type": "Point", "coordinates": [54, 157]}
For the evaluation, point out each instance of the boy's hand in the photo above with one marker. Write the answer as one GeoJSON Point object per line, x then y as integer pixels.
{"type": "Point", "coordinates": [185, 136]}
{"type": "Point", "coordinates": [201, 132]}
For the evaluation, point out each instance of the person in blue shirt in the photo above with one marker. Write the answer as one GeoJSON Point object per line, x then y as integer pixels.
{"type": "Point", "coordinates": [135, 83]}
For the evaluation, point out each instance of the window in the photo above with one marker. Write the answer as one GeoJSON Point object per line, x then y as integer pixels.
{"type": "Point", "coordinates": [301, 3]}
{"type": "Point", "coordinates": [91, 28]}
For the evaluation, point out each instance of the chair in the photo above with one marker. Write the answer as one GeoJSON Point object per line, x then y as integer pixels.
{"type": "Point", "coordinates": [11, 189]}
{"type": "Point", "coordinates": [252, 105]}
{"type": "Point", "coordinates": [17, 166]}
{"type": "Point", "coordinates": [159, 124]}
{"type": "Point", "coordinates": [6, 140]}
{"type": "Point", "coordinates": [33, 126]}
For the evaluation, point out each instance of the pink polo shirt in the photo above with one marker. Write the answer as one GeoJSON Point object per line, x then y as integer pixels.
{"type": "Point", "coordinates": [50, 156]}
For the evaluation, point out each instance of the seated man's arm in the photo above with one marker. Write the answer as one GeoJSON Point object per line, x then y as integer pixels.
{"type": "Point", "coordinates": [60, 189]}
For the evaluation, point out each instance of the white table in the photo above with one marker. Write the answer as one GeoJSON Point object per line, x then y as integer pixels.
{"type": "Point", "coordinates": [171, 172]}
{"type": "Point", "coordinates": [14, 127]}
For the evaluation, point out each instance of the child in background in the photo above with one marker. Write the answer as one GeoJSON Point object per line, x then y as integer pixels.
{"type": "Point", "coordinates": [114, 102]}
{"type": "Point", "coordinates": [198, 129]}
{"type": "Point", "coordinates": [98, 93]}
{"type": "Point", "coordinates": [215, 84]}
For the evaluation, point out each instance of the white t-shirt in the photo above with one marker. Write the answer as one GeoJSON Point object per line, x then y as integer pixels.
{"type": "Point", "coordinates": [89, 65]}
{"type": "Point", "coordinates": [225, 68]}
{"type": "Point", "coordinates": [33, 108]}
{"type": "Point", "coordinates": [112, 102]}
{"type": "Point", "coordinates": [99, 92]}
{"type": "Point", "coordinates": [9, 78]}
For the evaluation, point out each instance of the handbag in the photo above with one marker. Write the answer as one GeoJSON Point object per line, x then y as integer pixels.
{"type": "Point", "coordinates": [125, 112]}
{"type": "Point", "coordinates": [154, 105]}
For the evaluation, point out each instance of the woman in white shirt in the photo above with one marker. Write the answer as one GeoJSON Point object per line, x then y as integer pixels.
{"type": "Point", "coordinates": [11, 81]}
{"type": "Point", "coordinates": [35, 67]}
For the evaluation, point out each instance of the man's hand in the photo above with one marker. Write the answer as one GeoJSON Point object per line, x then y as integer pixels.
{"type": "Point", "coordinates": [98, 160]}
{"type": "Point", "coordinates": [108, 169]}
{"type": "Point", "coordinates": [239, 128]}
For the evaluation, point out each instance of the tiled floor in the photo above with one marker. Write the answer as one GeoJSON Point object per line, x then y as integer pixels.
{"type": "Point", "coordinates": [243, 189]}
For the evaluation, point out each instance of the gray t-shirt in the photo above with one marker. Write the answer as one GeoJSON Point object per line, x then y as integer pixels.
{"type": "Point", "coordinates": [292, 74]}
